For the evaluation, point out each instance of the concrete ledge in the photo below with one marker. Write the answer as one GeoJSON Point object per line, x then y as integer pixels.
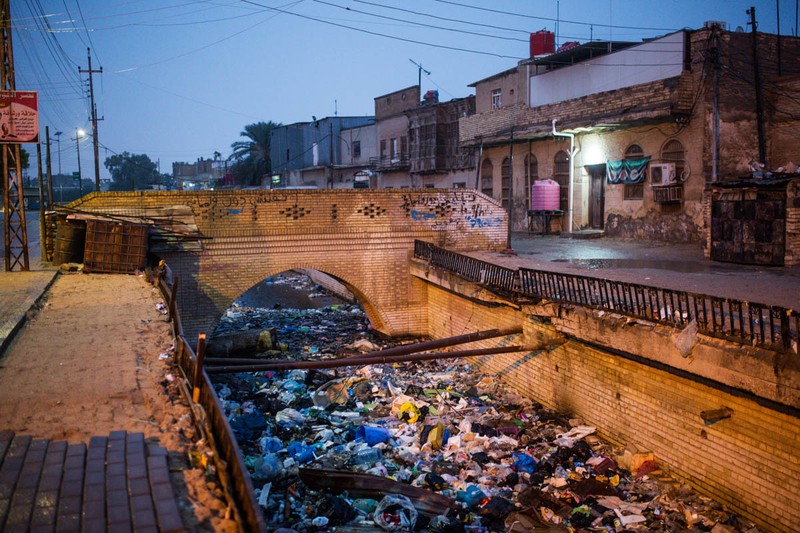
{"type": "Point", "coordinates": [21, 291]}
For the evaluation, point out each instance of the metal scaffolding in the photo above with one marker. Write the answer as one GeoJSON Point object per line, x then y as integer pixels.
{"type": "Point", "coordinates": [15, 227]}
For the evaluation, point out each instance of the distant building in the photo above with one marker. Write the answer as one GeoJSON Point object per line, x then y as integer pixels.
{"type": "Point", "coordinates": [202, 175]}
{"type": "Point", "coordinates": [391, 124]}
{"type": "Point", "coordinates": [320, 153]}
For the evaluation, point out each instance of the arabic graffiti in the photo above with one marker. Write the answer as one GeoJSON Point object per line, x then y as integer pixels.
{"type": "Point", "coordinates": [422, 206]}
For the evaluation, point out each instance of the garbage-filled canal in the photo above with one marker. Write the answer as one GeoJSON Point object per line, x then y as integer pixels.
{"type": "Point", "coordinates": [427, 446]}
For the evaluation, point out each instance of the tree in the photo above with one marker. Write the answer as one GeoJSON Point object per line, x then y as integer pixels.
{"type": "Point", "coordinates": [130, 172]}
{"type": "Point", "coordinates": [251, 157]}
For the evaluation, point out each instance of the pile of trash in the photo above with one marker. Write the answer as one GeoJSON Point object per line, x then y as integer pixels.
{"type": "Point", "coordinates": [433, 446]}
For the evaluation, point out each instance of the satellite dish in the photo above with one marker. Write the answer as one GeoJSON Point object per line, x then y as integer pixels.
{"type": "Point", "coordinates": [739, 29]}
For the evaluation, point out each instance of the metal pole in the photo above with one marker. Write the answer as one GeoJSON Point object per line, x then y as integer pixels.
{"type": "Point", "coordinates": [338, 363]}
{"type": "Point", "coordinates": [41, 200]}
{"type": "Point", "coordinates": [58, 135]}
{"type": "Point", "coordinates": [80, 176]}
{"type": "Point", "coordinates": [49, 170]}
{"type": "Point", "coordinates": [762, 147]}
{"type": "Point", "coordinates": [94, 119]}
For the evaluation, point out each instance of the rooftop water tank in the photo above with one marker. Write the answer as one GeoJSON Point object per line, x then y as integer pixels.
{"type": "Point", "coordinates": [542, 42]}
{"type": "Point", "coordinates": [545, 195]}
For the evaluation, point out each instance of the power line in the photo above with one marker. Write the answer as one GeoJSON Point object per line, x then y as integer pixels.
{"type": "Point", "coordinates": [553, 19]}
{"type": "Point", "coordinates": [394, 37]}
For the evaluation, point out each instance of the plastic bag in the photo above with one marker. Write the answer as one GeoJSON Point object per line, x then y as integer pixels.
{"type": "Point", "coordinates": [395, 513]}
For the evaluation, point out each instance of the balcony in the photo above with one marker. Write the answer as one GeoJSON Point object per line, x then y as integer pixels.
{"type": "Point", "coordinates": [388, 164]}
{"type": "Point", "coordinates": [667, 194]}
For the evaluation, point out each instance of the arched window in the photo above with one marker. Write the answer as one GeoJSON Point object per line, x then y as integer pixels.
{"type": "Point", "coordinates": [505, 183]}
{"type": "Point", "coordinates": [532, 170]}
{"type": "Point", "coordinates": [673, 152]}
{"type": "Point", "coordinates": [487, 180]}
{"type": "Point", "coordinates": [634, 151]}
{"type": "Point", "coordinates": [634, 191]}
{"type": "Point", "coordinates": [561, 165]}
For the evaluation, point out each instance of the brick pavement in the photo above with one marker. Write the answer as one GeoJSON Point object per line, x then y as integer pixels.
{"type": "Point", "coordinates": [117, 483]}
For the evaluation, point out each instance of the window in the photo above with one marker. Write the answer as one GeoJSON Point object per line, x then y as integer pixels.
{"type": "Point", "coordinates": [393, 151]}
{"type": "Point", "coordinates": [383, 148]}
{"type": "Point", "coordinates": [634, 191]}
{"type": "Point", "coordinates": [532, 168]}
{"type": "Point", "coordinates": [460, 185]}
{"type": "Point", "coordinates": [487, 180]}
{"type": "Point", "coordinates": [356, 148]}
{"type": "Point", "coordinates": [673, 152]}
{"type": "Point", "coordinates": [505, 182]}
{"type": "Point", "coordinates": [430, 186]}
{"type": "Point", "coordinates": [403, 147]}
{"type": "Point", "coordinates": [497, 99]}
{"type": "Point", "coordinates": [561, 165]}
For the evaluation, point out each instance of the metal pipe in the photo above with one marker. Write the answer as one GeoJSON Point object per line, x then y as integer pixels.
{"type": "Point", "coordinates": [572, 153]}
{"type": "Point", "coordinates": [338, 363]}
{"type": "Point", "coordinates": [389, 352]}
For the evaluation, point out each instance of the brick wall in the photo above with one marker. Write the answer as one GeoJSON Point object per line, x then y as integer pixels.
{"type": "Point", "coordinates": [364, 238]}
{"type": "Point", "coordinates": [748, 462]}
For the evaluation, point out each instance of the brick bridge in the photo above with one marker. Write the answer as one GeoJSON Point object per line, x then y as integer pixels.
{"type": "Point", "coordinates": [364, 238]}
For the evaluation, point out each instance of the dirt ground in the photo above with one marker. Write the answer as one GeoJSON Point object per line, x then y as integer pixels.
{"type": "Point", "coordinates": [89, 362]}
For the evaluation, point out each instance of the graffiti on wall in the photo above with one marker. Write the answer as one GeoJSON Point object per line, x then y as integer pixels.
{"type": "Point", "coordinates": [216, 206]}
{"type": "Point", "coordinates": [438, 206]}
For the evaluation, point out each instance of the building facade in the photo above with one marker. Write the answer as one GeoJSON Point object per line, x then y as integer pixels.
{"type": "Point", "coordinates": [436, 157]}
{"type": "Point", "coordinates": [633, 132]}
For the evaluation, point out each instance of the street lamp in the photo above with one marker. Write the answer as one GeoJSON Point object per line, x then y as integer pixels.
{"type": "Point", "coordinates": [58, 135]}
{"type": "Point", "coordinates": [78, 134]}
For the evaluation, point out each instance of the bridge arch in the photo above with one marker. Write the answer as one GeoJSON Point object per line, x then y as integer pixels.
{"type": "Point", "coordinates": [377, 317]}
{"type": "Point", "coordinates": [219, 243]}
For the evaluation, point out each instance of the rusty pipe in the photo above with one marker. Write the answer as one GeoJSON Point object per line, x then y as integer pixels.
{"type": "Point", "coordinates": [337, 363]}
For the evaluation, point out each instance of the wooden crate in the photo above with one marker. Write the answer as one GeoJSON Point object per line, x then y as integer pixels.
{"type": "Point", "coordinates": [114, 247]}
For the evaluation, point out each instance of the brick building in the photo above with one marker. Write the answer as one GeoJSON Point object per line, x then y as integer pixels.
{"type": "Point", "coordinates": [653, 123]}
{"type": "Point", "coordinates": [436, 157]}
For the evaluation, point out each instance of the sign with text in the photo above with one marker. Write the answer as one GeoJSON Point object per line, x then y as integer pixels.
{"type": "Point", "coordinates": [19, 117]}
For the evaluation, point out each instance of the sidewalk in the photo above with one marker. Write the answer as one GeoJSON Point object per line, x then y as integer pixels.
{"type": "Point", "coordinates": [667, 265]}
{"type": "Point", "coordinates": [20, 291]}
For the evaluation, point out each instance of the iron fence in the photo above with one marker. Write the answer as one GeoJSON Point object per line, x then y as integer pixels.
{"type": "Point", "coordinates": [494, 276]}
{"type": "Point", "coordinates": [751, 323]}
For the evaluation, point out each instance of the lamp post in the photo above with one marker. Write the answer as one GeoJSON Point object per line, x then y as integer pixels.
{"type": "Point", "coordinates": [58, 135]}
{"type": "Point", "coordinates": [78, 134]}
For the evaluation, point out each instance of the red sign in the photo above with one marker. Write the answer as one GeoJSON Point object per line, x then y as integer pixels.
{"type": "Point", "coordinates": [19, 117]}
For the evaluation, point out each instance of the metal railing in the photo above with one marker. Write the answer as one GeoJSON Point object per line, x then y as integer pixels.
{"type": "Point", "coordinates": [209, 415]}
{"type": "Point", "coordinates": [494, 276]}
{"type": "Point", "coordinates": [762, 325]}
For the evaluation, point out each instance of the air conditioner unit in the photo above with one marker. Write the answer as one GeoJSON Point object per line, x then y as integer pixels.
{"type": "Point", "coordinates": [662, 174]}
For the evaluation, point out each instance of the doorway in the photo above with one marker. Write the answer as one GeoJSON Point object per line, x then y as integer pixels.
{"type": "Point", "coordinates": [597, 178]}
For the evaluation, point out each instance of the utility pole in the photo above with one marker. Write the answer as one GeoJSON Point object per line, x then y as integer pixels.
{"type": "Point", "coordinates": [419, 74]}
{"type": "Point", "coordinates": [14, 223]}
{"type": "Point", "coordinates": [94, 119]}
{"type": "Point", "coordinates": [49, 170]}
{"type": "Point", "coordinates": [715, 101]}
{"type": "Point", "coordinates": [58, 135]}
{"type": "Point", "coordinates": [762, 148]}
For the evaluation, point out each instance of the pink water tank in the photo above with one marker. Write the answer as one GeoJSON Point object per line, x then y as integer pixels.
{"type": "Point", "coordinates": [545, 195]}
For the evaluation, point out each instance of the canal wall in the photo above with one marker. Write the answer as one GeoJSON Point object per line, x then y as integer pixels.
{"type": "Point", "coordinates": [648, 386]}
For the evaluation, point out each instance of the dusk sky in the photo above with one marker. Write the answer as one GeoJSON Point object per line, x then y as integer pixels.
{"type": "Point", "coordinates": [181, 78]}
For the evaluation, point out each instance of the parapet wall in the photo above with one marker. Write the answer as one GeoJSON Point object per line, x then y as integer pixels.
{"type": "Point", "coordinates": [630, 381]}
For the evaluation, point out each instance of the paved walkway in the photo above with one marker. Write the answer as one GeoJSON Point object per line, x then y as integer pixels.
{"type": "Point", "coordinates": [118, 483]}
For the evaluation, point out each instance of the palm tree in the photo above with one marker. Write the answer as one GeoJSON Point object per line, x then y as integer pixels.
{"type": "Point", "coordinates": [251, 157]}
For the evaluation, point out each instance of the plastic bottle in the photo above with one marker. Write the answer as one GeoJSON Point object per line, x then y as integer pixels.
{"type": "Point", "coordinates": [367, 456]}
